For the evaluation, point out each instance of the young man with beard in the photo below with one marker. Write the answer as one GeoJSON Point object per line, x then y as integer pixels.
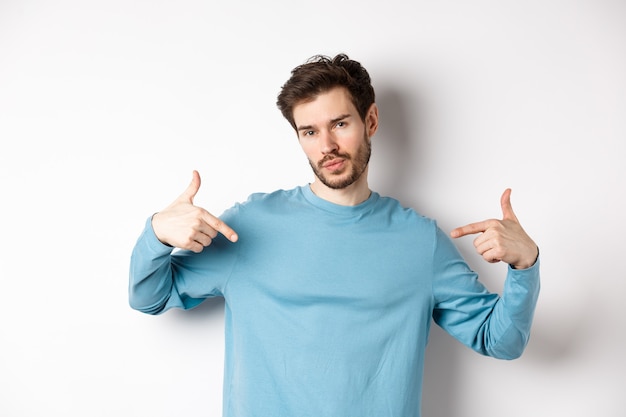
{"type": "Point", "coordinates": [330, 288]}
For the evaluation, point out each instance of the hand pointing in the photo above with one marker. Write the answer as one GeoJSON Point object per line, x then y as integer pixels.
{"type": "Point", "coordinates": [186, 226]}
{"type": "Point", "coordinates": [502, 240]}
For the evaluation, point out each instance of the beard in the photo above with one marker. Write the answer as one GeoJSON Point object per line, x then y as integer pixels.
{"type": "Point", "coordinates": [343, 179]}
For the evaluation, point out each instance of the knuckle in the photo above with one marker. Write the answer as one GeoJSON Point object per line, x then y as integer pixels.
{"type": "Point", "coordinates": [217, 223]}
{"type": "Point", "coordinates": [494, 223]}
{"type": "Point", "coordinates": [196, 211]}
{"type": "Point", "coordinates": [189, 242]}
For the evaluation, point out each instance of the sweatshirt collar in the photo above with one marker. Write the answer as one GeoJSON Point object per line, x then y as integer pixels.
{"type": "Point", "coordinates": [326, 205]}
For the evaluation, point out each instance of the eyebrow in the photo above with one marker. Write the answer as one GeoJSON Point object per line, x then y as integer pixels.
{"type": "Point", "coordinates": [332, 121]}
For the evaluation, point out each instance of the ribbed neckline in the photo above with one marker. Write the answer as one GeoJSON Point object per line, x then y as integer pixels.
{"type": "Point", "coordinates": [326, 205]}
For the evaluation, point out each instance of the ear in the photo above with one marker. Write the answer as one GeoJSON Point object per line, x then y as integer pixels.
{"type": "Point", "coordinates": [371, 120]}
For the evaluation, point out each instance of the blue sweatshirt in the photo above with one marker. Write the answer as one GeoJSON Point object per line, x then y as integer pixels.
{"type": "Point", "coordinates": [328, 307]}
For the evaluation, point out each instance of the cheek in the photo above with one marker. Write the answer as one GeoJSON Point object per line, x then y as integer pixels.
{"type": "Point", "coordinates": [355, 141]}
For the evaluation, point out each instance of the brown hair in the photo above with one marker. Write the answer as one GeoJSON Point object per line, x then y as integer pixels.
{"type": "Point", "coordinates": [321, 73]}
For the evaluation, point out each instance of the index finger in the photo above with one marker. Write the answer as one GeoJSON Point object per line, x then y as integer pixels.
{"type": "Point", "coordinates": [219, 225]}
{"type": "Point", "coordinates": [469, 229]}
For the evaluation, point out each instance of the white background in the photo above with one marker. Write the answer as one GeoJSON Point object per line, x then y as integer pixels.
{"type": "Point", "coordinates": [107, 106]}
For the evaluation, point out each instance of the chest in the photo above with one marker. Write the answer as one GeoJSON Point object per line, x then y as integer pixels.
{"type": "Point", "coordinates": [358, 265]}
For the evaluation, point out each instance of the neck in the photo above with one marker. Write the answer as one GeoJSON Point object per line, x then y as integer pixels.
{"type": "Point", "coordinates": [352, 195]}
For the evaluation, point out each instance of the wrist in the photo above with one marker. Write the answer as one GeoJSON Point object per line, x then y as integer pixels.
{"type": "Point", "coordinates": [526, 265]}
{"type": "Point", "coordinates": [154, 229]}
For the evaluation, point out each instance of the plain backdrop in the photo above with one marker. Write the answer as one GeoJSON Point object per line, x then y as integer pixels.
{"type": "Point", "coordinates": [106, 107]}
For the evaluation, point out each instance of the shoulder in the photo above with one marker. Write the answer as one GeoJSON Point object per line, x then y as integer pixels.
{"type": "Point", "coordinates": [261, 203]}
{"type": "Point", "coordinates": [261, 212]}
{"type": "Point", "coordinates": [398, 212]}
{"type": "Point", "coordinates": [278, 197]}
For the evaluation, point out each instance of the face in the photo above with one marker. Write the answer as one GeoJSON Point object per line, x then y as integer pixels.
{"type": "Point", "coordinates": [334, 138]}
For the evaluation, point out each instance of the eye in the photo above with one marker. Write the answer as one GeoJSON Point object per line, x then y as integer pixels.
{"type": "Point", "coordinates": [340, 124]}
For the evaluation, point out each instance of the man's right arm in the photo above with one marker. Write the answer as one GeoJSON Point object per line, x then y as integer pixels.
{"type": "Point", "coordinates": [150, 279]}
{"type": "Point", "coordinates": [182, 225]}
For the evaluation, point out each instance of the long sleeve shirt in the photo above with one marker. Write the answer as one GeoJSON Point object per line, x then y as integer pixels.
{"type": "Point", "coordinates": [328, 307]}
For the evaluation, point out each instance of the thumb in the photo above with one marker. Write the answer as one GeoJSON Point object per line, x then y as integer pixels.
{"type": "Point", "coordinates": [507, 208]}
{"type": "Point", "coordinates": [191, 191]}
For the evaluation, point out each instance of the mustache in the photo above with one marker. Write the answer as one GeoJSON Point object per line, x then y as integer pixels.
{"type": "Point", "coordinates": [330, 157]}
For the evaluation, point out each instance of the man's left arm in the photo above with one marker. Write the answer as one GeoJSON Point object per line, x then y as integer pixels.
{"type": "Point", "coordinates": [506, 241]}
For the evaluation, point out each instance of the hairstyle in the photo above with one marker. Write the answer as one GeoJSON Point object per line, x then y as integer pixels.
{"type": "Point", "coordinates": [320, 74]}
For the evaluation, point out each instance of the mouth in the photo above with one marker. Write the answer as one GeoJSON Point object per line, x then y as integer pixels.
{"type": "Point", "coordinates": [334, 164]}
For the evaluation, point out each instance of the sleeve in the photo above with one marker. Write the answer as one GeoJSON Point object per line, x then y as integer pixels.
{"type": "Point", "coordinates": [493, 325]}
{"type": "Point", "coordinates": [162, 277]}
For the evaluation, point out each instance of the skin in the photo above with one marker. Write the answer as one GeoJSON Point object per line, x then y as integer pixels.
{"type": "Point", "coordinates": [186, 226]}
{"type": "Point", "coordinates": [335, 140]}
{"type": "Point", "coordinates": [502, 240]}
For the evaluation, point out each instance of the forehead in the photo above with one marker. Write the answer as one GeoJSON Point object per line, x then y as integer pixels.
{"type": "Point", "coordinates": [324, 107]}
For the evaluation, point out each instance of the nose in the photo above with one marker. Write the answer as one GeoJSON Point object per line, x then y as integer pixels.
{"type": "Point", "coordinates": [327, 142]}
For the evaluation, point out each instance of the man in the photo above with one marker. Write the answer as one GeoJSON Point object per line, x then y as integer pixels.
{"type": "Point", "coordinates": [330, 288]}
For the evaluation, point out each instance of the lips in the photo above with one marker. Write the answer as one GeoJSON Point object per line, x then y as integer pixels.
{"type": "Point", "coordinates": [334, 164]}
